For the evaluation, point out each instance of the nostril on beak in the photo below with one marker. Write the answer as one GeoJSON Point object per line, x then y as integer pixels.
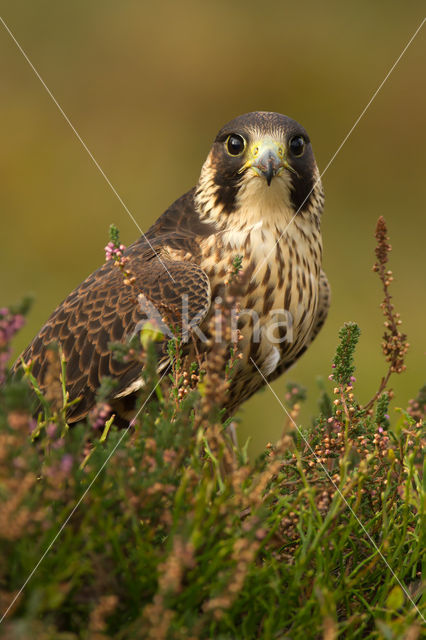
{"type": "Point", "coordinates": [267, 163]}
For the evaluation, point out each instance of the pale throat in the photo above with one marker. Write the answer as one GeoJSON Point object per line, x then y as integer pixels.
{"type": "Point", "coordinates": [258, 202]}
{"type": "Point", "coordinates": [262, 218]}
{"type": "Point", "coordinates": [264, 211]}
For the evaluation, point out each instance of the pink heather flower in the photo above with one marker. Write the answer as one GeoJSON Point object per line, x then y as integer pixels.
{"type": "Point", "coordinates": [32, 424]}
{"type": "Point", "coordinates": [100, 415]}
{"type": "Point", "coordinates": [169, 455]}
{"type": "Point", "coordinates": [333, 366]}
{"type": "Point", "coordinates": [51, 429]}
{"type": "Point", "coordinates": [380, 429]}
{"type": "Point", "coordinates": [19, 321]}
{"type": "Point", "coordinates": [112, 252]}
{"type": "Point", "coordinates": [353, 379]}
{"type": "Point", "coordinates": [9, 324]}
{"type": "Point", "coordinates": [19, 462]}
{"type": "Point", "coordinates": [59, 443]}
{"type": "Point", "coordinates": [109, 251]}
{"type": "Point", "coordinates": [66, 463]}
{"type": "Point", "coordinates": [331, 376]}
{"type": "Point", "coordinates": [4, 359]}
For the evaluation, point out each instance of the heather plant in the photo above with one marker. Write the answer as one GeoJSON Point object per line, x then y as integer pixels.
{"type": "Point", "coordinates": [166, 530]}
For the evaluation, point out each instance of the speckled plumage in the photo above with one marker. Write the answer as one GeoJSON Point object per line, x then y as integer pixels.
{"type": "Point", "coordinates": [232, 211]}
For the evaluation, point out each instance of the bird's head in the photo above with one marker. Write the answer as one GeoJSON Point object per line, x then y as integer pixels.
{"type": "Point", "coordinates": [260, 162]}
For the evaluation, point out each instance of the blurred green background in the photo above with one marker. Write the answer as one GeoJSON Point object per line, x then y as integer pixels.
{"type": "Point", "coordinates": [147, 86]}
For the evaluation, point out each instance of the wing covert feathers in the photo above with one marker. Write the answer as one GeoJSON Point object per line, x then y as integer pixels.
{"type": "Point", "coordinates": [103, 309]}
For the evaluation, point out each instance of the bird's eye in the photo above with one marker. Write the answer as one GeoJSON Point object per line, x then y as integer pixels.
{"type": "Point", "coordinates": [297, 146]}
{"type": "Point", "coordinates": [235, 144]}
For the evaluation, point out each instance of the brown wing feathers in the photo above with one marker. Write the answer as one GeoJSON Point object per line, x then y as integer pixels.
{"type": "Point", "coordinates": [103, 310]}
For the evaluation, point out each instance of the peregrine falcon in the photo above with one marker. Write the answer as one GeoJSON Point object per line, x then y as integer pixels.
{"type": "Point", "coordinates": [259, 197]}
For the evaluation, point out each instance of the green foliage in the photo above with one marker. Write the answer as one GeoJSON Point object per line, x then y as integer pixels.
{"type": "Point", "coordinates": [237, 265]}
{"type": "Point", "coordinates": [114, 235]}
{"type": "Point", "coordinates": [166, 530]}
{"type": "Point", "coordinates": [325, 404]}
{"type": "Point", "coordinates": [23, 307]}
{"type": "Point", "coordinates": [382, 407]}
{"type": "Point", "coordinates": [106, 389]}
{"type": "Point", "coordinates": [170, 532]}
{"type": "Point", "coordinates": [344, 358]}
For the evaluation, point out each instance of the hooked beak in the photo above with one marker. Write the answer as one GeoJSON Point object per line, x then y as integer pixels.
{"type": "Point", "coordinates": [267, 158]}
{"type": "Point", "coordinates": [269, 164]}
